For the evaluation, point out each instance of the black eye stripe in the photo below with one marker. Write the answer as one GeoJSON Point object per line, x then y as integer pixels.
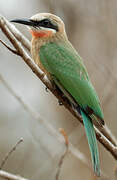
{"type": "Point", "coordinates": [45, 23]}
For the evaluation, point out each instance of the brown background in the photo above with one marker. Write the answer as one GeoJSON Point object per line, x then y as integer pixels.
{"type": "Point", "coordinates": [91, 26]}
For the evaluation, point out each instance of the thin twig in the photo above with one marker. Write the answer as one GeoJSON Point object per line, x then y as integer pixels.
{"type": "Point", "coordinates": [35, 115]}
{"type": "Point", "coordinates": [9, 48]}
{"type": "Point", "coordinates": [9, 176]}
{"type": "Point", "coordinates": [65, 153]}
{"type": "Point", "coordinates": [49, 127]}
{"type": "Point", "coordinates": [9, 153]}
{"type": "Point", "coordinates": [62, 131]}
{"type": "Point", "coordinates": [109, 143]}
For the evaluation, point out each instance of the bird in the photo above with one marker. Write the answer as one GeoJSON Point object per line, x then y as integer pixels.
{"type": "Point", "coordinates": [52, 51]}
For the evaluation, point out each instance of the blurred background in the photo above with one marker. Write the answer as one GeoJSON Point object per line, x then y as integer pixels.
{"type": "Point", "coordinates": [91, 26]}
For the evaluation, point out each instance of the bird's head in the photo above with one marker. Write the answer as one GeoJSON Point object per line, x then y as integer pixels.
{"type": "Point", "coordinates": [43, 25]}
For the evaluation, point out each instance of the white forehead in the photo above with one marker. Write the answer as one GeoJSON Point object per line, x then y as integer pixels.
{"type": "Point", "coordinates": [41, 16]}
{"type": "Point", "coordinates": [37, 17]}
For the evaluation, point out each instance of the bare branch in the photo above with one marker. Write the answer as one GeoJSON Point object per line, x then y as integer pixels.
{"type": "Point", "coordinates": [107, 133]}
{"type": "Point", "coordinates": [9, 153]}
{"type": "Point", "coordinates": [9, 176]}
{"type": "Point", "coordinates": [35, 115]}
{"type": "Point", "coordinates": [62, 131]}
{"type": "Point", "coordinates": [107, 138]}
{"type": "Point", "coordinates": [9, 48]}
{"type": "Point", "coordinates": [50, 129]}
{"type": "Point", "coordinates": [65, 153]}
{"type": "Point", "coordinates": [19, 36]}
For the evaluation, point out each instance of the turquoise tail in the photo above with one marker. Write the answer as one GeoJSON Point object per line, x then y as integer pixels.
{"type": "Point", "coordinates": [90, 132]}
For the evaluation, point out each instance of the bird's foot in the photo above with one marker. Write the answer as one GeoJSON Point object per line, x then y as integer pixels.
{"type": "Point", "coordinates": [46, 89]}
{"type": "Point", "coordinates": [60, 103]}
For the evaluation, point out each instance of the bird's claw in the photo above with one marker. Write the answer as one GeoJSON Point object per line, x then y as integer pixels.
{"type": "Point", "coordinates": [60, 103]}
{"type": "Point", "coordinates": [46, 89]}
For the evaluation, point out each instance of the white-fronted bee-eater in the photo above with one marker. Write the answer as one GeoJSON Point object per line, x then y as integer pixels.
{"type": "Point", "coordinates": [54, 54]}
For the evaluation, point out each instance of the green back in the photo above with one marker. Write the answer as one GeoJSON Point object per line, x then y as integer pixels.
{"type": "Point", "coordinates": [62, 61]}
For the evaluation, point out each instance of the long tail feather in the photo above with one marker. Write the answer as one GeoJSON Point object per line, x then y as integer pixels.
{"type": "Point", "coordinates": [90, 132]}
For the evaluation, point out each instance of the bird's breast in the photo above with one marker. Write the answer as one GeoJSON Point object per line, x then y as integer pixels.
{"type": "Point", "coordinates": [35, 48]}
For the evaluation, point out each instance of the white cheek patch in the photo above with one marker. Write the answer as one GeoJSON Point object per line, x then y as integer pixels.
{"type": "Point", "coordinates": [42, 29]}
{"type": "Point", "coordinates": [47, 29]}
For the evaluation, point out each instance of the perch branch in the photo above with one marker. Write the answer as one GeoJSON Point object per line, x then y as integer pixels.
{"type": "Point", "coordinates": [18, 35]}
{"type": "Point", "coordinates": [105, 137]}
{"type": "Point", "coordinates": [35, 115]}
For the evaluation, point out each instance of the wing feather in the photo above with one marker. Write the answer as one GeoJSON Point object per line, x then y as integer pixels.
{"type": "Point", "coordinates": [62, 61]}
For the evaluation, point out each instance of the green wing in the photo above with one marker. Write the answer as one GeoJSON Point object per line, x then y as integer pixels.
{"type": "Point", "coordinates": [63, 62]}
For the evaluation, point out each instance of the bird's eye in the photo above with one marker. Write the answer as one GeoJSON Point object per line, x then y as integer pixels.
{"type": "Point", "coordinates": [46, 22]}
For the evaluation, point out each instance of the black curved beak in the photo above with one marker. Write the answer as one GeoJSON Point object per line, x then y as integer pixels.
{"type": "Point", "coordinates": [27, 22]}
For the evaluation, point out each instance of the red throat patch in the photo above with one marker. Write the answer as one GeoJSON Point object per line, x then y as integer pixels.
{"type": "Point", "coordinates": [38, 34]}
